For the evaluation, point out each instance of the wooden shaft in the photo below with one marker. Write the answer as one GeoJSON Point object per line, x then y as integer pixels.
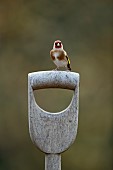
{"type": "Point", "coordinates": [52, 161]}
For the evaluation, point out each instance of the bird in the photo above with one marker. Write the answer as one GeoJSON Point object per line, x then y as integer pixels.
{"type": "Point", "coordinates": [59, 56]}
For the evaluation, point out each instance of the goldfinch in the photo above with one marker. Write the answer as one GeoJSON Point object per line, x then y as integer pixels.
{"type": "Point", "coordinates": [59, 56]}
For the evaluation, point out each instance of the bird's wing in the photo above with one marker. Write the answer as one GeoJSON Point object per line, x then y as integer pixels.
{"type": "Point", "coordinates": [66, 57]}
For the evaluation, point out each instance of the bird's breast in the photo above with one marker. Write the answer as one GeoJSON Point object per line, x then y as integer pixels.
{"type": "Point", "coordinates": [56, 54]}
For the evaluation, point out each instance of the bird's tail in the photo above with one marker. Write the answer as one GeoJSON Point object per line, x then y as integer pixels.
{"type": "Point", "coordinates": [69, 67]}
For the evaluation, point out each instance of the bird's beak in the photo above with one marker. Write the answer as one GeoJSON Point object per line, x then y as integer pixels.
{"type": "Point", "coordinates": [58, 44]}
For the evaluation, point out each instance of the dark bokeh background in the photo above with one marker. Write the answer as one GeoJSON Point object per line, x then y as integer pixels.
{"type": "Point", "coordinates": [27, 32]}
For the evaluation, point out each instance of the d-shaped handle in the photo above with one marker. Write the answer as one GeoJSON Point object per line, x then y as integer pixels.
{"type": "Point", "coordinates": [53, 132]}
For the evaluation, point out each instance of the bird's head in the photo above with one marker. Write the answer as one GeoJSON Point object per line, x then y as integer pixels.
{"type": "Point", "coordinates": [58, 45]}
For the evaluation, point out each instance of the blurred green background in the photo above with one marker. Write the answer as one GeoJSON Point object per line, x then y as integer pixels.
{"type": "Point", "coordinates": [27, 32]}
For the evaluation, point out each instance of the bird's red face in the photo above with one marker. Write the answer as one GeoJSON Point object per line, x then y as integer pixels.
{"type": "Point", "coordinates": [58, 44]}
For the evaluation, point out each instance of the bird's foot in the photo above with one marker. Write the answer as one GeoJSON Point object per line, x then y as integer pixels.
{"type": "Point", "coordinates": [56, 69]}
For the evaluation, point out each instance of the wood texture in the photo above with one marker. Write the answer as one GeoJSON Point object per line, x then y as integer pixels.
{"type": "Point", "coordinates": [53, 79]}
